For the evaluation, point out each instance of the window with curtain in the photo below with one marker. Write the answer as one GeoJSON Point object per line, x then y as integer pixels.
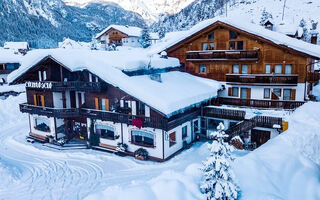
{"type": "Point", "coordinates": [142, 138]}
{"type": "Point", "coordinates": [268, 69]}
{"type": "Point", "coordinates": [288, 69]}
{"type": "Point", "coordinates": [235, 69]}
{"type": "Point", "coordinates": [286, 94]}
{"type": "Point", "coordinates": [278, 69]}
{"type": "Point", "coordinates": [105, 131]}
{"type": "Point", "coordinates": [244, 69]}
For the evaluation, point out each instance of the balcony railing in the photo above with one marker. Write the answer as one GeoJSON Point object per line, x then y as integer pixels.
{"type": "Point", "coordinates": [224, 113]}
{"type": "Point", "coordinates": [49, 112]}
{"type": "Point", "coordinates": [273, 79]}
{"type": "Point", "coordinates": [259, 103]}
{"type": "Point", "coordinates": [223, 55]}
{"type": "Point", "coordinates": [67, 85]}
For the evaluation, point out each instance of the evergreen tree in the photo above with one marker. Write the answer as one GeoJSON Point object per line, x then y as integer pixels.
{"type": "Point", "coordinates": [218, 183]}
{"type": "Point", "coordinates": [303, 25]}
{"type": "Point", "coordinates": [145, 39]}
{"type": "Point", "coordinates": [161, 32]}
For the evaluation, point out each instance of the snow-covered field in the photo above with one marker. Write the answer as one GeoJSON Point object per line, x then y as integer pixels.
{"type": "Point", "coordinates": [284, 168]}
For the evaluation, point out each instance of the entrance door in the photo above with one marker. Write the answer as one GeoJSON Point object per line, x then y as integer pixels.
{"type": "Point", "coordinates": [259, 136]}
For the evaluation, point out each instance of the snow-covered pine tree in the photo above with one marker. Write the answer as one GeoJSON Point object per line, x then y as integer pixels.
{"type": "Point", "coordinates": [162, 32]}
{"type": "Point", "coordinates": [218, 182]}
{"type": "Point", "coordinates": [264, 16]}
{"type": "Point", "coordinates": [145, 39]}
{"type": "Point", "coordinates": [303, 25]}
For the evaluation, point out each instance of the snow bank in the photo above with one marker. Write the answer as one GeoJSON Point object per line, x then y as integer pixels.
{"type": "Point", "coordinates": [285, 167]}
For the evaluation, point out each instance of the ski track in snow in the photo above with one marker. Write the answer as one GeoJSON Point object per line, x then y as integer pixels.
{"type": "Point", "coordinates": [37, 172]}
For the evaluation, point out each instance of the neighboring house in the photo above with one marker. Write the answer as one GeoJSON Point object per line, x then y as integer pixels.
{"type": "Point", "coordinates": [257, 67]}
{"type": "Point", "coordinates": [290, 30]}
{"type": "Point", "coordinates": [21, 47]}
{"type": "Point", "coordinates": [120, 35]}
{"type": "Point", "coordinates": [68, 43]}
{"type": "Point", "coordinates": [70, 90]}
{"type": "Point", "coordinates": [9, 61]}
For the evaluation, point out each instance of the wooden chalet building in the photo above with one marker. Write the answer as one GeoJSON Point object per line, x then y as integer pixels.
{"type": "Point", "coordinates": [9, 61]}
{"type": "Point", "coordinates": [257, 67]}
{"type": "Point", "coordinates": [126, 102]}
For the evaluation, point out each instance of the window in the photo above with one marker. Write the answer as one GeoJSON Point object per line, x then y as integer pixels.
{"type": "Point", "coordinates": [232, 45]}
{"type": "Point", "coordinates": [211, 36]}
{"type": "Point", "coordinates": [286, 94]}
{"type": "Point", "coordinates": [205, 46]}
{"type": "Point", "coordinates": [203, 69]}
{"type": "Point", "coordinates": [268, 69]}
{"type": "Point", "coordinates": [105, 131]}
{"type": "Point", "coordinates": [105, 104]}
{"type": "Point", "coordinates": [233, 35]}
{"type": "Point", "coordinates": [38, 100]}
{"type": "Point", "coordinates": [240, 45]}
{"type": "Point", "coordinates": [142, 138]}
{"type": "Point", "coordinates": [42, 124]}
{"type": "Point", "coordinates": [244, 69]}
{"type": "Point", "coordinates": [277, 92]}
{"type": "Point", "coordinates": [172, 139]}
{"type": "Point", "coordinates": [266, 93]}
{"type": "Point", "coordinates": [235, 92]}
{"type": "Point", "coordinates": [195, 126]}
{"type": "Point", "coordinates": [235, 69]}
{"type": "Point", "coordinates": [288, 69]}
{"type": "Point", "coordinates": [211, 46]}
{"type": "Point", "coordinates": [244, 93]}
{"type": "Point", "coordinates": [278, 69]}
{"type": "Point", "coordinates": [184, 132]}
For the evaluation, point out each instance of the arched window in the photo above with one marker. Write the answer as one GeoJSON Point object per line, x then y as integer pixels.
{"type": "Point", "coordinates": [142, 138]}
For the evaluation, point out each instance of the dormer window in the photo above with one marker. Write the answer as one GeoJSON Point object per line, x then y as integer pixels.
{"type": "Point", "coordinates": [233, 35]}
{"type": "Point", "coordinates": [211, 36]}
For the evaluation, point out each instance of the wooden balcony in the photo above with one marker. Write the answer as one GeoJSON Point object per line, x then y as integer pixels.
{"type": "Point", "coordinates": [313, 77]}
{"type": "Point", "coordinates": [260, 79]}
{"type": "Point", "coordinates": [216, 55]}
{"type": "Point", "coordinates": [259, 103]}
{"type": "Point", "coordinates": [68, 85]}
{"type": "Point", "coordinates": [223, 113]}
{"type": "Point", "coordinates": [49, 112]}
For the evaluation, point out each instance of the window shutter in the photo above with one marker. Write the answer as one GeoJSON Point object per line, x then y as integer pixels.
{"type": "Point", "coordinates": [96, 103]}
{"type": "Point", "coordinates": [35, 99]}
{"type": "Point", "coordinates": [248, 93]}
{"type": "Point", "coordinates": [42, 100]}
{"type": "Point", "coordinates": [133, 107]}
{"type": "Point", "coordinates": [293, 94]}
{"type": "Point", "coordinates": [230, 91]}
{"type": "Point", "coordinates": [107, 104]}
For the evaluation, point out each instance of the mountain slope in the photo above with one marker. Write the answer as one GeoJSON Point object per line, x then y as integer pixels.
{"type": "Point", "coordinates": [242, 10]}
{"type": "Point", "coordinates": [45, 22]}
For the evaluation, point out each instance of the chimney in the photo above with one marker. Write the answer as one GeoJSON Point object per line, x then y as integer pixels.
{"type": "Point", "coordinates": [314, 38]}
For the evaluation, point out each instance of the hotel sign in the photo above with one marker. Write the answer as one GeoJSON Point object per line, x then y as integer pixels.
{"type": "Point", "coordinates": [39, 85]}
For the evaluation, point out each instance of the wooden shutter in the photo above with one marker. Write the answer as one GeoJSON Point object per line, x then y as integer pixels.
{"type": "Point", "coordinates": [107, 104]}
{"type": "Point", "coordinates": [35, 99]}
{"type": "Point", "coordinates": [293, 94]}
{"type": "Point", "coordinates": [42, 100]}
{"type": "Point", "coordinates": [172, 139]}
{"type": "Point", "coordinates": [230, 91]}
{"type": "Point", "coordinates": [96, 103]}
{"type": "Point", "coordinates": [248, 93]}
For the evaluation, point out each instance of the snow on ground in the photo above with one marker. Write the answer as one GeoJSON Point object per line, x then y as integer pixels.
{"type": "Point", "coordinates": [277, 170]}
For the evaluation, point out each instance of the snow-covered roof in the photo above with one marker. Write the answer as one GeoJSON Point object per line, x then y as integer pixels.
{"type": "Point", "coordinates": [272, 36]}
{"type": "Point", "coordinates": [128, 30]}
{"type": "Point", "coordinates": [286, 28]}
{"type": "Point", "coordinates": [68, 43]}
{"type": "Point", "coordinates": [154, 36]}
{"type": "Point", "coordinates": [16, 45]}
{"type": "Point", "coordinates": [177, 90]}
{"type": "Point", "coordinates": [9, 56]}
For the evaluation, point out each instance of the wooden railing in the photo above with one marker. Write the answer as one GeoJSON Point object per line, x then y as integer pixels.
{"type": "Point", "coordinates": [259, 103]}
{"type": "Point", "coordinates": [223, 55]}
{"type": "Point", "coordinates": [266, 121]}
{"type": "Point", "coordinates": [49, 112]}
{"type": "Point", "coordinates": [223, 113]}
{"type": "Point", "coordinates": [262, 78]}
{"type": "Point", "coordinates": [67, 85]}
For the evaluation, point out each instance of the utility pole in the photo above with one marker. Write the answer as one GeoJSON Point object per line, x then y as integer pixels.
{"type": "Point", "coordinates": [284, 6]}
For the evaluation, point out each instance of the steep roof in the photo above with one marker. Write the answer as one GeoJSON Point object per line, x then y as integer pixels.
{"type": "Point", "coordinates": [176, 92]}
{"type": "Point", "coordinates": [272, 36]}
{"type": "Point", "coordinates": [128, 30]}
